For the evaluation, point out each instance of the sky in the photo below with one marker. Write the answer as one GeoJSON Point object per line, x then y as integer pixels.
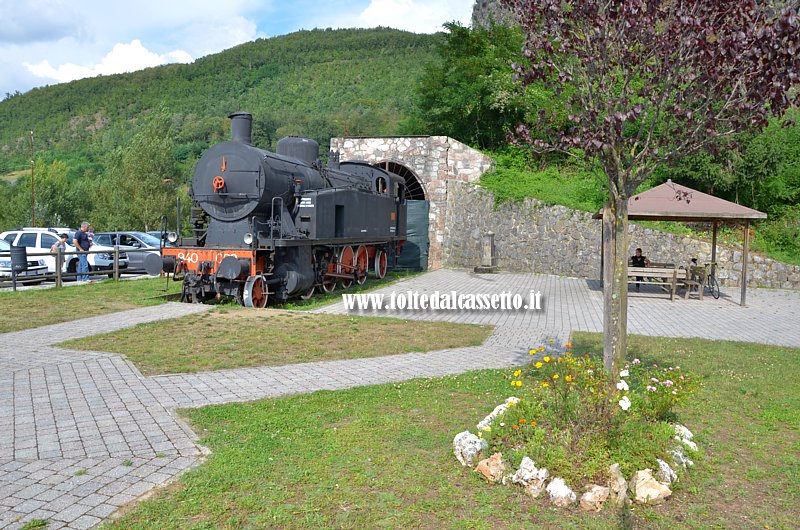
{"type": "Point", "coordinates": [46, 42]}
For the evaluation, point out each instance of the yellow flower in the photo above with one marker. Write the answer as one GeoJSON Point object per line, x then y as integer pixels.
{"type": "Point", "coordinates": [568, 378]}
{"type": "Point", "coordinates": [541, 349]}
{"type": "Point", "coordinates": [547, 359]}
{"type": "Point", "coordinates": [555, 376]}
{"type": "Point", "coordinates": [539, 364]}
{"type": "Point", "coordinates": [551, 341]}
{"type": "Point", "coordinates": [545, 384]}
{"type": "Point", "coordinates": [532, 352]}
{"type": "Point", "coordinates": [516, 374]}
{"type": "Point", "coordinates": [519, 383]}
{"type": "Point", "coordinates": [512, 403]}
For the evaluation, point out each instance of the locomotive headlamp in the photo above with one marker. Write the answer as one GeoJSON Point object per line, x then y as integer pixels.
{"type": "Point", "coordinates": [248, 238]}
{"type": "Point", "coordinates": [172, 237]}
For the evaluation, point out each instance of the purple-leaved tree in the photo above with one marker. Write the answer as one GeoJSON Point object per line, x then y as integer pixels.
{"type": "Point", "coordinates": [646, 82]}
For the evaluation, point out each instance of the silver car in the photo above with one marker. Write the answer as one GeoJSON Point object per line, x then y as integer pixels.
{"type": "Point", "coordinates": [137, 245]}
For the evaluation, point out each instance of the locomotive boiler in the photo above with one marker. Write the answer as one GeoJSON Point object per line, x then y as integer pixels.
{"type": "Point", "coordinates": [280, 225]}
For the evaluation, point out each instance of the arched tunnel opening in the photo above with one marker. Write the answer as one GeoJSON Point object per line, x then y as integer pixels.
{"type": "Point", "coordinates": [414, 255]}
{"type": "Point", "coordinates": [414, 189]}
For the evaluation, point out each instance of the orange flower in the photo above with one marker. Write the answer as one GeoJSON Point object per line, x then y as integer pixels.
{"type": "Point", "coordinates": [533, 424]}
{"type": "Point", "coordinates": [569, 345]}
{"type": "Point", "coordinates": [515, 427]}
{"type": "Point", "coordinates": [522, 420]}
{"type": "Point", "coordinates": [560, 359]}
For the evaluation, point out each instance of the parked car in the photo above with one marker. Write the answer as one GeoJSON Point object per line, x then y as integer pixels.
{"type": "Point", "coordinates": [39, 241]}
{"type": "Point", "coordinates": [133, 243]}
{"type": "Point", "coordinates": [36, 267]}
{"type": "Point", "coordinates": [161, 237]}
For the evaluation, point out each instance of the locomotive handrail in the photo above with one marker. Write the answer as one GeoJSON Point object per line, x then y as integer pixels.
{"type": "Point", "coordinates": [276, 219]}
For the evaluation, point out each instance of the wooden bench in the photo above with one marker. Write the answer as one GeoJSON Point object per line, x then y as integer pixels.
{"type": "Point", "coordinates": [670, 276]}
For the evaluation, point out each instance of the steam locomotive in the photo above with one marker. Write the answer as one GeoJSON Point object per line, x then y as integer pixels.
{"type": "Point", "coordinates": [280, 225]}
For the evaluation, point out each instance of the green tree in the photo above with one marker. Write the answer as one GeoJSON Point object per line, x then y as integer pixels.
{"type": "Point", "coordinates": [470, 94]}
{"type": "Point", "coordinates": [141, 180]}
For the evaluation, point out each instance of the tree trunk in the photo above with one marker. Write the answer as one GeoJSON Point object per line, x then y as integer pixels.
{"type": "Point", "coordinates": [615, 285]}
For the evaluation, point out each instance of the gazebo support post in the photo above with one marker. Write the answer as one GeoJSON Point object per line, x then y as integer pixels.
{"type": "Point", "coordinates": [745, 252]}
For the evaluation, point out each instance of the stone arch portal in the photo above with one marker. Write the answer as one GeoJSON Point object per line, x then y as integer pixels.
{"type": "Point", "coordinates": [427, 163]}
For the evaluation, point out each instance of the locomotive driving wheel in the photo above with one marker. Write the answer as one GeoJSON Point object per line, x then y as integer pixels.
{"type": "Point", "coordinates": [381, 262]}
{"type": "Point", "coordinates": [255, 292]}
{"type": "Point", "coordinates": [328, 283]}
{"type": "Point", "coordinates": [346, 265]}
{"type": "Point", "coordinates": [308, 294]}
{"type": "Point", "coordinates": [362, 264]}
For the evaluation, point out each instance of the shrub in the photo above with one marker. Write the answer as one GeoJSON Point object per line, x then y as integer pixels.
{"type": "Point", "coordinates": [571, 421]}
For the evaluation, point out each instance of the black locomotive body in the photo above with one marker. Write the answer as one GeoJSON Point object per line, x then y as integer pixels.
{"type": "Point", "coordinates": [280, 225]}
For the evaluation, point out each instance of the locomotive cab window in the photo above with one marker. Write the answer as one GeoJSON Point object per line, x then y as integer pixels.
{"type": "Point", "coordinates": [380, 185]}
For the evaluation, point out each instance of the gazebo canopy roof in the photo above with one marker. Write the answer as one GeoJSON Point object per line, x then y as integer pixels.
{"type": "Point", "coordinates": [673, 202]}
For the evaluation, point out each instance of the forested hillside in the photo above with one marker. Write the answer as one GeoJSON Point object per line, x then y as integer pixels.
{"type": "Point", "coordinates": [318, 83]}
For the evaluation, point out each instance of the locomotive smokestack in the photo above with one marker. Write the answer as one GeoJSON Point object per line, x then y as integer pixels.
{"type": "Point", "coordinates": [241, 127]}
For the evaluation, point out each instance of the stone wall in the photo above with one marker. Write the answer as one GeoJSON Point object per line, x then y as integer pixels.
{"type": "Point", "coordinates": [534, 237]}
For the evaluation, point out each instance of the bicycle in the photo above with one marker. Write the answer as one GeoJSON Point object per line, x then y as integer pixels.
{"type": "Point", "coordinates": [711, 284]}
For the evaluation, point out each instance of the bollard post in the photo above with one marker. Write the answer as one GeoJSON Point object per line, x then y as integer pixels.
{"type": "Point", "coordinates": [59, 264]}
{"type": "Point", "coordinates": [488, 258]}
{"type": "Point", "coordinates": [116, 263]}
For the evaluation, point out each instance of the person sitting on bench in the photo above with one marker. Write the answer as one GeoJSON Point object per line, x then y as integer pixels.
{"type": "Point", "coordinates": [639, 261]}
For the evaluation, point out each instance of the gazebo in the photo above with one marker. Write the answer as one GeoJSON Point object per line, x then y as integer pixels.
{"type": "Point", "coordinates": [673, 202]}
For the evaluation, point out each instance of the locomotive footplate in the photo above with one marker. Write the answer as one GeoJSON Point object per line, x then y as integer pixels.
{"type": "Point", "coordinates": [271, 243]}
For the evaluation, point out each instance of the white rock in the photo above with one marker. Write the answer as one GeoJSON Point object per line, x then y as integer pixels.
{"type": "Point", "coordinates": [665, 473]}
{"type": "Point", "coordinates": [560, 494]}
{"type": "Point", "coordinates": [530, 477]}
{"type": "Point", "coordinates": [647, 490]}
{"type": "Point", "coordinates": [499, 410]}
{"type": "Point", "coordinates": [683, 432]}
{"type": "Point", "coordinates": [592, 500]}
{"type": "Point", "coordinates": [617, 485]}
{"type": "Point", "coordinates": [688, 443]}
{"type": "Point", "coordinates": [679, 458]}
{"type": "Point", "coordinates": [467, 447]}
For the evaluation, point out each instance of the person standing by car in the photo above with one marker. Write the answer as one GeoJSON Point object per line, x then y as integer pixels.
{"type": "Point", "coordinates": [82, 245]}
{"type": "Point", "coordinates": [61, 244]}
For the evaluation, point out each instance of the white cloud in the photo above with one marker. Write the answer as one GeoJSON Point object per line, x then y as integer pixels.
{"type": "Point", "coordinates": [419, 16]}
{"type": "Point", "coordinates": [122, 58]}
{"type": "Point", "coordinates": [204, 37]}
{"type": "Point", "coordinates": [416, 15]}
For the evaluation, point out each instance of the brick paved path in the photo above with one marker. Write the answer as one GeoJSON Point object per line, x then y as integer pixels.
{"type": "Point", "coordinates": [82, 433]}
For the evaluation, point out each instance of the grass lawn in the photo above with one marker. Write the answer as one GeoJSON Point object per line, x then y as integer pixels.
{"type": "Point", "coordinates": [232, 337]}
{"type": "Point", "coordinates": [40, 307]}
{"type": "Point", "coordinates": [381, 456]}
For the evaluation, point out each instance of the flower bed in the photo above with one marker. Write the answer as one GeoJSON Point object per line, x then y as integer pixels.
{"type": "Point", "coordinates": [570, 425]}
